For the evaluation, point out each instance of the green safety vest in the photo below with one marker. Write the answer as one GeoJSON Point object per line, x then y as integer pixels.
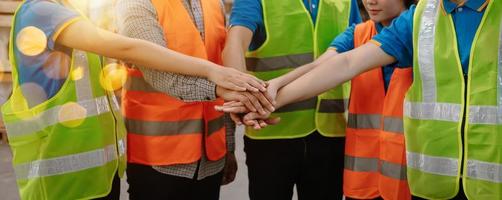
{"type": "Point", "coordinates": [438, 154]}
{"type": "Point", "coordinates": [293, 40]}
{"type": "Point", "coordinates": [72, 145]}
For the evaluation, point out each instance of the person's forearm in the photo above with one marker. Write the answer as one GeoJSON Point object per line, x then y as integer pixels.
{"type": "Point", "coordinates": [293, 75]}
{"type": "Point", "coordinates": [333, 72]}
{"type": "Point", "coordinates": [234, 53]}
{"type": "Point", "coordinates": [159, 58]}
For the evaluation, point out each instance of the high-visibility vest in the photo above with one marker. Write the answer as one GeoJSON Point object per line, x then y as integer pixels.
{"type": "Point", "coordinates": [294, 40]}
{"type": "Point", "coordinates": [440, 106]}
{"type": "Point", "coordinates": [163, 130]}
{"type": "Point", "coordinates": [72, 145]}
{"type": "Point", "coordinates": [374, 147]}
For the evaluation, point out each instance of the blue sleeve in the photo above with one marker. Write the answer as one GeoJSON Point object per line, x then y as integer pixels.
{"type": "Point", "coordinates": [247, 13]}
{"type": "Point", "coordinates": [48, 17]}
{"type": "Point", "coordinates": [355, 16]}
{"type": "Point", "coordinates": [345, 41]}
{"type": "Point", "coordinates": [397, 39]}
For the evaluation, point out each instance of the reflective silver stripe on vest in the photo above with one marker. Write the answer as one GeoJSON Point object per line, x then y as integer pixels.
{"type": "Point", "coordinates": [66, 164]}
{"type": "Point", "coordinates": [359, 164]}
{"type": "Point", "coordinates": [432, 111]}
{"type": "Point", "coordinates": [485, 115]}
{"type": "Point", "coordinates": [363, 121]}
{"type": "Point", "coordinates": [432, 164]}
{"type": "Point", "coordinates": [302, 105]}
{"type": "Point", "coordinates": [393, 124]}
{"type": "Point", "coordinates": [426, 37]}
{"type": "Point", "coordinates": [484, 171]}
{"type": "Point", "coordinates": [490, 114]}
{"type": "Point", "coordinates": [279, 62]}
{"type": "Point", "coordinates": [83, 85]}
{"type": "Point", "coordinates": [164, 128]}
{"type": "Point", "coordinates": [393, 170]}
{"type": "Point", "coordinates": [333, 105]}
{"type": "Point", "coordinates": [50, 117]}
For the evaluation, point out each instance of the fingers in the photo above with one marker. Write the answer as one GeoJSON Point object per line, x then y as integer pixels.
{"type": "Point", "coordinates": [256, 103]}
{"type": "Point", "coordinates": [273, 121]}
{"type": "Point", "coordinates": [247, 103]}
{"type": "Point", "coordinates": [270, 98]}
{"type": "Point", "coordinates": [254, 84]}
{"type": "Point", "coordinates": [264, 101]}
{"type": "Point", "coordinates": [237, 120]}
{"type": "Point", "coordinates": [230, 109]}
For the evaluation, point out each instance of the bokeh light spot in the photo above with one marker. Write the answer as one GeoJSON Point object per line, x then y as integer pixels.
{"type": "Point", "coordinates": [31, 41]}
{"type": "Point", "coordinates": [34, 93]}
{"type": "Point", "coordinates": [57, 65]}
{"type": "Point", "coordinates": [77, 73]}
{"type": "Point", "coordinates": [113, 76]}
{"type": "Point", "coordinates": [72, 115]}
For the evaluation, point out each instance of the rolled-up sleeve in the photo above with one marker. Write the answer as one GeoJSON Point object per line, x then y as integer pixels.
{"type": "Point", "coordinates": [138, 19]}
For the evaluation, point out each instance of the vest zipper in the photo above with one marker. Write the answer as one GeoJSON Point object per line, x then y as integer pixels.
{"type": "Point", "coordinates": [462, 128]}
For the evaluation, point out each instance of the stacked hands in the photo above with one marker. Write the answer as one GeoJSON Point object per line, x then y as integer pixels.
{"type": "Point", "coordinates": [249, 100]}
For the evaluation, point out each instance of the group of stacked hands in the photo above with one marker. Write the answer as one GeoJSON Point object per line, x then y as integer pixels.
{"type": "Point", "coordinates": [249, 100]}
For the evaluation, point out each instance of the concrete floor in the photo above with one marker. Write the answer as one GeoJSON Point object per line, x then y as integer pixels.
{"type": "Point", "coordinates": [235, 191]}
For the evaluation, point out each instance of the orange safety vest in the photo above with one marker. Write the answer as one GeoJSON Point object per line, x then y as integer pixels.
{"type": "Point", "coordinates": [375, 162]}
{"type": "Point", "coordinates": [163, 130]}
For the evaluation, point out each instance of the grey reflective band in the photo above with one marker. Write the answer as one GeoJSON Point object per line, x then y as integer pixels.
{"type": "Point", "coordinates": [388, 169]}
{"type": "Point", "coordinates": [66, 164]}
{"type": "Point", "coordinates": [164, 128]}
{"type": "Point", "coordinates": [432, 111]}
{"type": "Point", "coordinates": [135, 83]}
{"type": "Point", "coordinates": [426, 54]}
{"type": "Point", "coordinates": [359, 164]}
{"type": "Point", "coordinates": [393, 170]}
{"type": "Point", "coordinates": [214, 125]}
{"type": "Point", "coordinates": [333, 105]}
{"type": "Point", "coordinates": [122, 147]}
{"type": "Point", "coordinates": [485, 115]}
{"type": "Point", "coordinates": [302, 105]}
{"type": "Point", "coordinates": [490, 114]}
{"type": "Point", "coordinates": [279, 62]}
{"type": "Point", "coordinates": [433, 164]}
{"type": "Point", "coordinates": [393, 124]}
{"type": "Point", "coordinates": [363, 121]}
{"type": "Point", "coordinates": [50, 117]}
{"type": "Point", "coordinates": [83, 85]}
{"type": "Point", "coordinates": [484, 171]}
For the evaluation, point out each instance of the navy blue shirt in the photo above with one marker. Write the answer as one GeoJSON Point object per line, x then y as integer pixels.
{"type": "Point", "coordinates": [248, 13]}
{"type": "Point", "coordinates": [397, 39]}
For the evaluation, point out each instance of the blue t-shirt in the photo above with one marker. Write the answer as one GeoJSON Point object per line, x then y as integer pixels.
{"type": "Point", "coordinates": [41, 64]}
{"type": "Point", "coordinates": [248, 13]}
{"type": "Point", "coordinates": [397, 39]}
{"type": "Point", "coordinates": [345, 42]}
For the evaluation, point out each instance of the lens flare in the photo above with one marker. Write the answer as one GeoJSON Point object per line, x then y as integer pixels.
{"type": "Point", "coordinates": [113, 76]}
{"type": "Point", "coordinates": [72, 115]}
{"type": "Point", "coordinates": [31, 41]}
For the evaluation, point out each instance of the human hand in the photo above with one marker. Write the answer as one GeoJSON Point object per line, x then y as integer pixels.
{"type": "Point", "coordinates": [240, 114]}
{"type": "Point", "coordinates": [232, 79]}
{"type": "Point", "coordinates": [252, 101]}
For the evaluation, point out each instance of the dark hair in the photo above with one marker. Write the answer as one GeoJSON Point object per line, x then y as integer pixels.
{"type": "Point", "coordinates": [408, 3]}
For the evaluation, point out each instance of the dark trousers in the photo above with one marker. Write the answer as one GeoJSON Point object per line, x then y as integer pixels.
{"type": "Point", "coordinates": [145, 183]}
{"type": "Point", "coordinates": [314, 163]}
{"type": "Point", "coordinates": [115, 193]}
